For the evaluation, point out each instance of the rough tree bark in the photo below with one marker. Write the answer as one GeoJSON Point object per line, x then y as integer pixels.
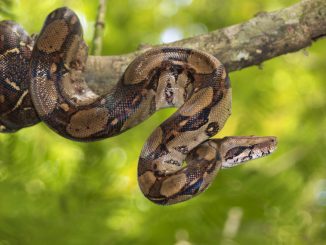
{"type": "Point", "coordinates": [263, 37]}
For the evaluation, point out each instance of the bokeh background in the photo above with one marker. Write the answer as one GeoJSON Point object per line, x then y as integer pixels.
{"type": "Point", "coordinates": [55, 191]}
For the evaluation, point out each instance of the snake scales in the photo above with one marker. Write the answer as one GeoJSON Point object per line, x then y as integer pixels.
{"type": "Point", "coordinates": [43, 79]}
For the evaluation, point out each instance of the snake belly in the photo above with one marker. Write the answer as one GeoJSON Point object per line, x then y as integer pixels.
{"type": "Point", "coordinates": [193, 81]}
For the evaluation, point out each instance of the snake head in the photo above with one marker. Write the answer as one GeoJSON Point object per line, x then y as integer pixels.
{"type": "Point", "coordinates": [238, 149]}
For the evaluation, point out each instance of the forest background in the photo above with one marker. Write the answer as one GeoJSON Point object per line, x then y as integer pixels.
{"type": "Point", "coordinates": [55, 191]}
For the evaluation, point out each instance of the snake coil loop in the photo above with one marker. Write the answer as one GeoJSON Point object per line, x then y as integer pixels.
{"type": "Point", "coordinates": [45, 81]}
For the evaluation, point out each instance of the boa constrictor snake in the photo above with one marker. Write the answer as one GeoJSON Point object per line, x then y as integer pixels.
{"type": "Point", "coordinates": [43, 80]}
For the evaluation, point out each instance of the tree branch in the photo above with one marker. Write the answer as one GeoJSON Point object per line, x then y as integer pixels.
{"type": "Point", "coordinates": [266, 36]}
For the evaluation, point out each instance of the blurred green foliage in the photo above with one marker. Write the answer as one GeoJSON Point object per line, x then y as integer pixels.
{"type": "Point", "coordinates": [55, 191]}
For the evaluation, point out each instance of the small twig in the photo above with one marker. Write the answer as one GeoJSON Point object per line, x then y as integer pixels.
{"type": "Point", "coordinates": [99, 28]}
{"type": "Point", "coordinates": [6, 9]}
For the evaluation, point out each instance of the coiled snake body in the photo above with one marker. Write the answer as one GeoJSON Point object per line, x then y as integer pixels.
{"type": "Point", "coordinates": [44, 81]}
